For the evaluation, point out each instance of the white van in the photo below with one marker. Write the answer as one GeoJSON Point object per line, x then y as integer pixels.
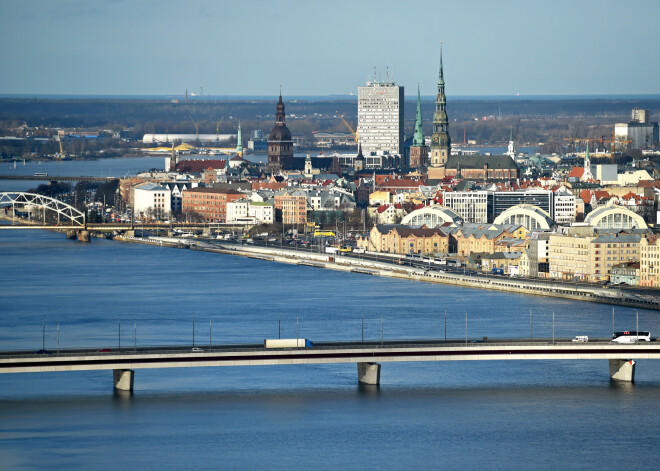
{"type": "Point", "coordinates": [581, 338]}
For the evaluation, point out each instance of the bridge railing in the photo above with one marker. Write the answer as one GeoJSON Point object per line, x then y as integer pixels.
{"type": "Point", "coordinates": [317, 346]}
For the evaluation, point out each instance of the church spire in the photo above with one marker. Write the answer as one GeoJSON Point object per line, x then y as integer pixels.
{"type": "Point", "coordinates": [418, 138]}
{"type": "Point", "coordinates": [239, 140]}
{"type": "Point", "coordinates": [440, 142]}
{"type": "Point", "coordinates": [441, 75]}
{"type": "Point", "coordinates": [280, 116]}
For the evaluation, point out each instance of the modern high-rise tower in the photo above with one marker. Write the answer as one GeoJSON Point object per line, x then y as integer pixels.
{"type": "Point", "coordinates": [380, 117]}
{"type": "Point", "coordinates": [440, 142]}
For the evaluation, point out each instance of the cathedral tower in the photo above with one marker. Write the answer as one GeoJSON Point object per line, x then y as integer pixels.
{"type": "Point", "coordinates": [280, 143]}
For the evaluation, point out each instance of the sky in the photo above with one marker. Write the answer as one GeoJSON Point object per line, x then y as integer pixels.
{"type": "Point", "coordinates": [251, 47]}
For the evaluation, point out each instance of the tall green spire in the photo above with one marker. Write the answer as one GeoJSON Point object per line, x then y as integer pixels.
{"type": "Point", "coordinates": [441, 76]}
{"type": "Point", "coordinates": [239, 141]}
{"type": "Point", "coordinates": [587, 160]}
{"type": "Point", "coordinates": [440, 141]}
{"type": "Point", "coordinates": [418, 138]}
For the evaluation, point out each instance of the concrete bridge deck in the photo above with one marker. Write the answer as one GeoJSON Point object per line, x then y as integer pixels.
{"type": "Point", "coordinates": [368, 356]}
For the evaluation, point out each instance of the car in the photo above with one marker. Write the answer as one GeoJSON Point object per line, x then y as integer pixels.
{"type": "Point", "coordinates": [581, 338]}
{"type": "Point", "coordinates": [104, 350]}
{"type": "Point", "coordinates": [197, 349]}
{"type": "Point", "coordinates": [41, 351]}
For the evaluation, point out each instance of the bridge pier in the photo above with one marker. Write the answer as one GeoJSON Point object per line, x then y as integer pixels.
{"type": "Point", "coordinates": [622, 370]}
{"type": "Point", "coordinates": [123, 379]}
{"type": "Point", "coordinates": [369, 373]}
{"type": "Point", "coordinates": [83, 236]}
{"type": "Point", "coordinates": [71, 234]}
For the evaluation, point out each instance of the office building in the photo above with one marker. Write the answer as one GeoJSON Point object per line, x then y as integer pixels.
{"type": "Point", "coordinates": [380, 117]}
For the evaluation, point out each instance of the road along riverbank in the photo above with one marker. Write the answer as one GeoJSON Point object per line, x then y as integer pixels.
{"type": "Point", "coordinates": [380, 268]}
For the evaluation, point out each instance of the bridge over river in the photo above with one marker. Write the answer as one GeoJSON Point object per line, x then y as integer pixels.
{"type": "Point", "coordinates": [40, 177]}
{"type": "Point", "coordinates": [367, 355]}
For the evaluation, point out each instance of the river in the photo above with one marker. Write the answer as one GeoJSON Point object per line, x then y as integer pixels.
{"type": "Point", "coordinates": [470, 415]}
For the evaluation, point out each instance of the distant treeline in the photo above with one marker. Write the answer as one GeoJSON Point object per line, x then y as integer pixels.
{"type": "Point", "coordinates": [531, 120]}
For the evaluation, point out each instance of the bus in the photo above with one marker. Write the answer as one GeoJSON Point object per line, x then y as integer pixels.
{"type": "Point", "coordinates": [631, 336]}
{"type": "Point", "coordinates": [324, 234]}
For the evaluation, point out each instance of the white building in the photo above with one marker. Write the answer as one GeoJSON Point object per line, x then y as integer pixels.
{"type": "Point", "coordinates": [176, 191]}
{"type": "Point", "coordinates": [244, 211]}
{"type": "Point", "coordinates": [263, 213]}
{"type": "Point", "coordinates": [237, 210]}
{"type": "Point", "coordinates": [633, 177]}
{"type": "Point", "coordinates": [380, 117]}
{"type": "Point", "coordinates": [564, 206]}
{"type": "Point", "coordinates": [472, 206]}
{"type": "Point", "coordinates": [152, 198]}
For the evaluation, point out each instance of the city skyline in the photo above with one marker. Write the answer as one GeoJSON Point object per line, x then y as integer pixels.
{"type": "Point", "coordinates": [163, 48]}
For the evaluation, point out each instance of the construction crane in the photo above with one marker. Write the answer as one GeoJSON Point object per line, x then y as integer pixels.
{"type": "Point", "coordinates": [61, 155]}
{"type": "Point", "coordinates": [614, 142]}
{"type": "Point", "coordinates": [355, 134]}
{"type": "Point", "coordinates": [196, 124]}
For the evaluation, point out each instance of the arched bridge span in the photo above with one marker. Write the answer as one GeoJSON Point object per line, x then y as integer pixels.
{"type": "Point", "coordinates": [63, 210]}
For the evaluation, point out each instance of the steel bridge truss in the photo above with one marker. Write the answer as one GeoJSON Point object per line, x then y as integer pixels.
{"type": "Point", "coordinates": [63, 210]}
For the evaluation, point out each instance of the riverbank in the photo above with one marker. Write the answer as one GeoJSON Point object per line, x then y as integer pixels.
{"type": "Point", "coordinates": [390, 270]}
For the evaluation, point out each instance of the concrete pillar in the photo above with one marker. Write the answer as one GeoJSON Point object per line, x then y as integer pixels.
{"type": "Point", "coordinates": [622, 370]}
{"type": "Point", "coordinates": [83, 236]}
{"type": "Point", "coordinates": [71, 234]}
{"type": "Point", "coordinates": [369, 373]}
{"type": "Point", "coordinates": [123, 379]}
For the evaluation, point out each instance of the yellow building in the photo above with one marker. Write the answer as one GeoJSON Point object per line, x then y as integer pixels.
{"type": "Point", "coordinates": [591, 258]}
{"type": "Point", "coordinates": [485, 238]}
{"type": "Point", "coordinates": [569, 257]}
{"type": "Point", "coordinates": [292, 207]}
{"type": "Point", "coordinates": [399, 239]}
{"type": "Point", "coordinates": [649, 261]}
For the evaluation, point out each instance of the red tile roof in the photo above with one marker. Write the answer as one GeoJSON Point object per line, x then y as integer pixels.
{"type": "Point", "coordinates": [198, 166]}
{"type": "Point", "coordinates": [577, 172]}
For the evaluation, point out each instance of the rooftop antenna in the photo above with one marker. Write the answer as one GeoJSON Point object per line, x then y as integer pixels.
{"type": "Point", "coordinates": [374, 73]}
{"type": "Point", "coordinates": [387, 73]}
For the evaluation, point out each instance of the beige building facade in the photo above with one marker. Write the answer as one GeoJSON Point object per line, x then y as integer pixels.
{"type": "Point", "coordinates": [397, 239]}
{"type": "Point", "coordinates": [591, 258]}
{"type": "Point", "coordinates": [649, 261]}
